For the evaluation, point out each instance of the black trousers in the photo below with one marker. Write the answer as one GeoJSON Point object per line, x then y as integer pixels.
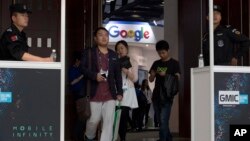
{"type": "Point", "coordinates": [123, 122]}
{"type": "Point", "coordinates": [138, 115]}
{"type": "Point", "coordinates": [147, 113]}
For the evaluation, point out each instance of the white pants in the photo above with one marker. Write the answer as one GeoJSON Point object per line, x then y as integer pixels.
{"type": "Point", "coordinates": [101, 111]}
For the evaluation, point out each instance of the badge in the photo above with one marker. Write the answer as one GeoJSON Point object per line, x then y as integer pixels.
{"type": "Point", "coordinates": [220, 43]}
{"type": "Point", "coordinates": [125, 85]}
{"type": "Point", "coordinates": [14, 38]}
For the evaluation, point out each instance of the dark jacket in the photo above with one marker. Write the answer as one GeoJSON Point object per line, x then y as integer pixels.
{"type": "Point", "coordinates": [114, 76]}
{"type": "Point", "coordinates": [225, 38]}
{"type": "Point", "coordinates": [13, 44]}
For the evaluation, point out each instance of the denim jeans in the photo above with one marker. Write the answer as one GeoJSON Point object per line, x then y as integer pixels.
{"type": "Point", "coordinates": [165, 134]}
{"type": "Point", "coordinates": [156, 106]}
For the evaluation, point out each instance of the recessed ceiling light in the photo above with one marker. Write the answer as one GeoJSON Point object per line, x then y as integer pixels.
{"type": "Point", "coordinates": [109, 0]}
{"type": "Point", "coordinates": [135, 16]}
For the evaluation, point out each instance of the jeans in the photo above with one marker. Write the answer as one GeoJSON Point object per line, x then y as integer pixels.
{"type": "Point", "coordinates": [156, 106]}
{"type": "Point", "coordinates": [165, 134]}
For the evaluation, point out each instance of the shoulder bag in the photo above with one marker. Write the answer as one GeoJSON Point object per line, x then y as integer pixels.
{"type": "Point", "coordinates": [83, 104]}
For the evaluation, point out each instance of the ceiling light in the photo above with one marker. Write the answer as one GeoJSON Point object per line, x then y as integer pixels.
{"type": "Point", "coordinates": [109, 0]}
{"type": "Point", "coordinates": [135, 16]}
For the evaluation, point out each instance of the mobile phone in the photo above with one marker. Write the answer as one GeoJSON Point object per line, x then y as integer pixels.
{"type": "Point", "coordinates": [104, 75]}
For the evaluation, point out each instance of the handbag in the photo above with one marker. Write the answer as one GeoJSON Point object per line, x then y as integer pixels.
{"type": "Point", "coordinates": [129, 98]}
{"type": "Point", "coordinates": [83, 108]}
{"type": "Point", "coordinates": [83, 104]}
{"type": "Point", "coordinates": [125, 62]}
{"type": "Point", "coordinates": [171, 85]}
{"type": "Point", "coordinates": [169, 88]}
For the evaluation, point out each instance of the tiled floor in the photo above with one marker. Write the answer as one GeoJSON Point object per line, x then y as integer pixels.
{"type": "Point", "coordinates": [148, 136]}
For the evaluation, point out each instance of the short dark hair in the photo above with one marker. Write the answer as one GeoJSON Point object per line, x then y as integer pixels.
{"type": "Point", "coordinates": [100, 28]}
{"type": "Point", "coordinates": [121, 42]}
{"type": "Point", "coordinates": [162, 45]}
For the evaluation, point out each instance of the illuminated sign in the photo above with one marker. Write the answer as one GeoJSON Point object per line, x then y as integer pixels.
{"type": "Point", "coordinates": [5, 97]}
{"type": "Point", "coordinates": [139, 32]}
{"type": "Point", "coordinates": [229, 97]}
{"type": "Point", "coordinates": [232, 98]}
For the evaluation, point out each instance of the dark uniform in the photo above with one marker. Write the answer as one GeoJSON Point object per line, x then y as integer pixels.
{"type": "Point", "coordinates": [225, 38]}
{"type": "Point", "coordinates": [13, 43]}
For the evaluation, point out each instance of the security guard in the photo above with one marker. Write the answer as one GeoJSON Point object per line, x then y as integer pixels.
{"type": "Point", "coordinates": [13, 43]}
{"type": "Point", "coordinates": [225, 37]}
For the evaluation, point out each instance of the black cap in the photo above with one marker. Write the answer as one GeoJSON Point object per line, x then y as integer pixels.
{"type": "Point", "coordinates": [217, 8]}
{"type": "Point", "coordinates": [20, 8]}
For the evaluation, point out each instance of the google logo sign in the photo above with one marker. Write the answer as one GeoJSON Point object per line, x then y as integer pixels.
{"type": "Point", "coordinates": [137, 34]}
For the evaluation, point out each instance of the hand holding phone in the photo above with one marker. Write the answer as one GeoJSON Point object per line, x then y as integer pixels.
{"type": "Point", "coordinates": [104, 75]}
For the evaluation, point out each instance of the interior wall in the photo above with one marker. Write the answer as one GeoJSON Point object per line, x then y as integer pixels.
{"type": "Point", "coordinates": [171, 26]}
{"type": "Point", "coordinates": [189, 48]}
{"type": "Point", "coordinates": [171, 35]}
{"type": "Point", "coordinates": [1, 15]}
{"type": "Point", "coordinates": [4, 15]}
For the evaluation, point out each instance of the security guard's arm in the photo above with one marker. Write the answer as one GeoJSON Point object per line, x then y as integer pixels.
{"type": "Point", "coordinates": [29, 57]}
{"type": "Point", "coordinates": [15, 47]}
{"type": "Point", "coordinates": [25, 56]}
{"type": "Point", "coordinates": [236, 37]}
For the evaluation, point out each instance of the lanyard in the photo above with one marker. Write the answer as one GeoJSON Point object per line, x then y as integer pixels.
{"type": "Point", "coordinates": [100, 60]}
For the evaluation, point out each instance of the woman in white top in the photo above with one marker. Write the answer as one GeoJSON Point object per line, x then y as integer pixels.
{"type": "Point", "coordinates": [129, 69]}
{"type": "Point", "coordinates": [148, 93]}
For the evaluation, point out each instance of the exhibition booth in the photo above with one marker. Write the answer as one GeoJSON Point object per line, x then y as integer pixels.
{"type": "Point", "coordinates": [32, 97]}
{"type": "Point", "coordinates": [220, 105]}
{"type": "Point", "coordinates": [219, 98]}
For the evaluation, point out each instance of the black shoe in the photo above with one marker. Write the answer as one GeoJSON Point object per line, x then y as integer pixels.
{"type": "Point", "coordinates": [139, 130]}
